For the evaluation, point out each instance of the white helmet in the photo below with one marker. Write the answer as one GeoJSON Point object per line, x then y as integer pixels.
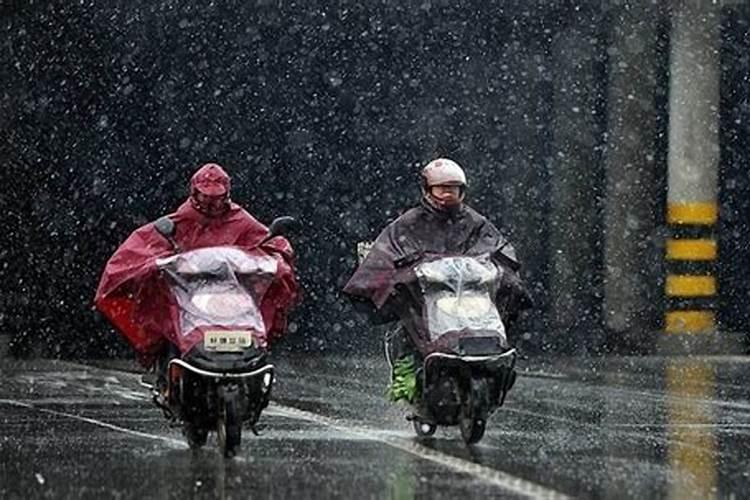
{"type": "Point", "coordinates": [443, 172]}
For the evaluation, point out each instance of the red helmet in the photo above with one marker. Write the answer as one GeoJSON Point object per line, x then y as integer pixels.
{"type": "Point", "coordinates": [443, 172]}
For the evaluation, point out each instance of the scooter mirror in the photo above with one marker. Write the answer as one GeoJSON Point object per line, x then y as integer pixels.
{"type": "Point", "coordinates": [165, 227]}
{"type": "Point", "coordinates": [281, 226]}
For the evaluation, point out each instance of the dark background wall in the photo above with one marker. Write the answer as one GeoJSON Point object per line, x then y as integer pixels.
{"type": "Point", "coordinates": [734, 192]}
{"type": "Point", "coordinates": [322, 110]}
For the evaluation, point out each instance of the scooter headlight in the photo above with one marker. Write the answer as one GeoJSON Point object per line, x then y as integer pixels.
{"type": "Point", "coordinates": [222, 305]}
{"type": "Point", "coordinates": [465, 307]}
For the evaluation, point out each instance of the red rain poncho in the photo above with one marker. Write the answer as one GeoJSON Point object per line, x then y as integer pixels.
{"type": "Point", "coordinates": [133, 296]}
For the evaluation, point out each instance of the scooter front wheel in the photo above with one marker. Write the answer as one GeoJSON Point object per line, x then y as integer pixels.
{"type": "Point", "coordinates": [196, 436]}
{"type": "Point", "coordinates": [472, 429]}
{"type": "Point", "coordinates": [229, 425]}
{"type": "Point", "coordinates": [473, 418]}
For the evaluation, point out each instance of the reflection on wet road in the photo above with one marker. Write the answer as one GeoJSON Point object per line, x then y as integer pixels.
{"type": "Point", "coordinates": [692, 440]}
{"type": "Point", "coordinates": [619, 427]}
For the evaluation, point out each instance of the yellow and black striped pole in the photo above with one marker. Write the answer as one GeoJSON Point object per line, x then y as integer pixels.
{"type": "Point", "coordinates": [693, 162]}
{"type": "Point", "coordinates": [691, 251]}
{"type": "Point", "coordinates": [691, 254]}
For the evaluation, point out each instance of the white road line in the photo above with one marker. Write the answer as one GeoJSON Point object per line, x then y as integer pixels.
{"type": "Point", "coordinates": [717, 427]}
{"type": "Point", "coordinates": [498, 478]}
{"type": "Point", "coordinates": [171, 441]}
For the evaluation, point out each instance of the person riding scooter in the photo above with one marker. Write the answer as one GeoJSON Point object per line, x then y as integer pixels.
{"type": "Point", "coordinates": [441, 225]}
{"type": "Point", "coordinates": [129, 293]}
{"type": "Point", "coordinates": [201, 294]}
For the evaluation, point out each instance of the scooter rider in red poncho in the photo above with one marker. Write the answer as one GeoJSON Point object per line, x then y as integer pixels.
{"type": "Point", "coordinates": [129, 293]}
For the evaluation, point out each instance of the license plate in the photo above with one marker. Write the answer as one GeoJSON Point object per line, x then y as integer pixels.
{"type": "Point", "coordinates": [227, 341]}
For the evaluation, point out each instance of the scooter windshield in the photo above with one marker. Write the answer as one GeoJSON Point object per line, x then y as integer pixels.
{"type": "Point", "coordinates": [219, 286]}
{"type": "Point", "coordinates": [458, 295]}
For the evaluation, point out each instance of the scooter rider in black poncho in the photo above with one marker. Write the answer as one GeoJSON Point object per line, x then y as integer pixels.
{"type": "Point", "coordinates": [441, 224]}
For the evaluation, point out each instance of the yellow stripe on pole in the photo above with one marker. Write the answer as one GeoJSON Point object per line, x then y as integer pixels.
{"type": "Point", "coordinates": [692, 249]}
{"type": "Point", "coordinates": [690, 322]}
{"type": "Point", "coordinates": [682, 285]}
{"type": "Point", "coordinates": [705, 213]}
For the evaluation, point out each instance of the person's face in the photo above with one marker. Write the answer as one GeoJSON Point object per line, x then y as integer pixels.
{"type": "Point", "coordinates": [212, 206]}
{"type": "Point", "coordinates": [448, 196]}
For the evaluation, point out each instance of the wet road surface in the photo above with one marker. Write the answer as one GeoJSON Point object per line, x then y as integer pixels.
{"type": "Point", "coordinates": [614, 428]}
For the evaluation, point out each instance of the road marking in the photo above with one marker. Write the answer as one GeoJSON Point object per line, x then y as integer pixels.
{"type": "Point", "coordinates": [541, 374]}
{"type": "Point", "coordinates": [498, 478]}
{"type": "Point", "coordinates": [718, 427]}
{"type": "Point", "coordinates": [174, 442]}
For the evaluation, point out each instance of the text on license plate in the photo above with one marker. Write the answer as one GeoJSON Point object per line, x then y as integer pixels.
{"type": "Point", "coordinates": [227, 340]}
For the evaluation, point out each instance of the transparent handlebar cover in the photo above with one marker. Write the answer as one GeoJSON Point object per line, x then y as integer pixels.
{"type": "Point", "coordinates": [458, 294]}
{"type": "Point", "coordinates": [219, 286]}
